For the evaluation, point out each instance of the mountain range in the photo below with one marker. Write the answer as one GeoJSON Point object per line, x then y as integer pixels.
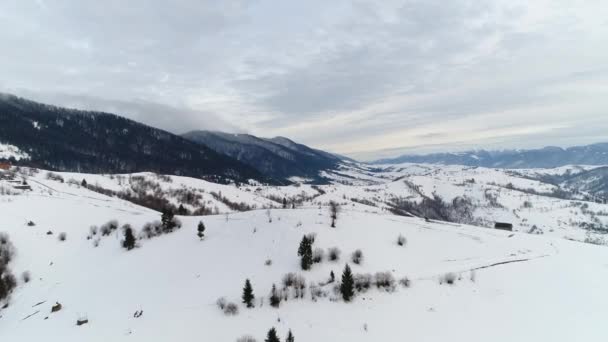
{"type": "Point", "coordinates": [547, 157]}
{"type": "Point", "coordinates": [63, 139]}
{"type": "Point", "coordinates": [278, 157]}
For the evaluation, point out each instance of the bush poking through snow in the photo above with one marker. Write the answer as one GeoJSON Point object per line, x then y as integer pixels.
{"type": "Point", "coordinates": [318, 255]}
{"type": "Point", "coordinates": [231, 309]}
{"type": "Point", "coordinates": [62, 236]}
{"type": "Point", "coordinates": [401, 240]}
{"type": "Point", "coordinates": [384, 281]}
{"type": "Point", "coordinates": [357, 257]}
{"type": "Point", "coordinates": [108, 227]}
{"type": "Point", "coordinates": [405, 282]}
{"type": "Point", "coordinates": [362, 282]}
{"type": "Point", "coordinates": [275, 297]}
{"type": "Point", "coordinates": [289, 279]}
{"type": "Point", "coordinates": [333, 254]}
{"type": "Point", "coordinates": [448, 278]}
{"type": "Point", "coordinates": [246, 338]}
{"type": "Point", "coordinates": [221, 303]}
{"type": "Point", "coordinates": [26, 277]}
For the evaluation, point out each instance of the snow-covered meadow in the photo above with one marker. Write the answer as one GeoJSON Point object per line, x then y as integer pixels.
{"type": "Point", "coordinates": [510, 286]}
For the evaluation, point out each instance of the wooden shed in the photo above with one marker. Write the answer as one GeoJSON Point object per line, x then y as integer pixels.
{"type": "Point", "coordinates": [5, 166]}
{"type": "Point", "coordinates": [504, 226]}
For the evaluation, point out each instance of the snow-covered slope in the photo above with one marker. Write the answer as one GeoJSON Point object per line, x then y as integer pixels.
{"type": "Point", "coordinates": [508, 287]}
{"type": "Point", "coordinates": [470, 195]}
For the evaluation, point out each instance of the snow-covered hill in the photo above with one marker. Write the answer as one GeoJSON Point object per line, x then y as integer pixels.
{"type": "Point", "coordinates": [508, 286]}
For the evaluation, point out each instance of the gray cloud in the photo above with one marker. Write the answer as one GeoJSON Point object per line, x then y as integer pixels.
{"type": "Point", "coordinates": [363, 78]}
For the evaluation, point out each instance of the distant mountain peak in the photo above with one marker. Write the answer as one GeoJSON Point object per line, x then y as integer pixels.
{"type": "Point", "coordinates": [546, 157]}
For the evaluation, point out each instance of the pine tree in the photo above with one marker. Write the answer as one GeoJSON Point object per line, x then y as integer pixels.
{"type": "Point", "coordinates": [182, 210]}
{"type": "Point", "coordinates": [275, 299]}
{"type": "Point", "coordinates": [84, 183]}
{"type": "Point", "coordinates": [290, 337]}
{"type": "Point", "coordinates": [284, 203]}
{"type": "Point", "coordinates": [272, 336]}
{"type": "Point", "coordinates": [129, 242]}
{"type": "Point", "coordinates": [347, 288]}
{"type": "Point", "coordinates": [166, 220]}
{"type": "Point", "coordinates": [305, 253]}
{"type": "Point", "coordinates": [248, 296]}
{"type": "Point", "coordinates": [201, 230]}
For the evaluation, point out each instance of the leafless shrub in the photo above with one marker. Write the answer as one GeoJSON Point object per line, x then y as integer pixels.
{"type": "Point", "coordinates": [317, 292]}
{"type": "Point", "coordinates": [401, 240]}
{"type": "Point", "coordinates": [246, 338]}
{"type": "Point", "coordinates": [231, 309]}
{"type": "Point", "coordinates": [448, 278]}
{"type": "Point", "coordinates": [221, 303]}
{"type": "Point", "coordinates": [62, 236]}
{"type": "Point", "coordinates": [318, 255]}
{"type": "Point", "coordinates": [357, 257]}
{"type": "Point", "coordinates": [384, 280]}
{"type": "Point", "coordinates": [333, 254]}
{"type": "Point", "coordinates": [26, 277]}
{"type": "Point", "coordinates": [363, 282]}
{"type": "Point", "coordinates": [405, 282]}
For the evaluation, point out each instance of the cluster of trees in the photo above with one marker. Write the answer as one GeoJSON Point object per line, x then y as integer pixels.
{"type": "Point", "coordinates": [7, 279]}
{"type": "Point", "coordinates": [459, 210]}
{"type": "Point", "coordinates": [271, 336]}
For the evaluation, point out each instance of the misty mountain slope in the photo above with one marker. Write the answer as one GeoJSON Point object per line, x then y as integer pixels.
{"type": "Point", "coordinates": [548, 157]}
{"type": "Point", "coordinates": [72, 140]}
{"type": "Point", "coordinates": [175, 279]}
{"type": "Point", "coordinates": [276, 157]}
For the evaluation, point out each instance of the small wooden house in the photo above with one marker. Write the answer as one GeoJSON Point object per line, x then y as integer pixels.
{"type": "Point", "coordinates": [504, 226]}
{"type": "Point", "coordinates": [5, 166]}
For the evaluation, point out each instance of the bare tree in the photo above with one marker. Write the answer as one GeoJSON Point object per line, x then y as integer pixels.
{"type": "Point", "coordinates": [334, 209]}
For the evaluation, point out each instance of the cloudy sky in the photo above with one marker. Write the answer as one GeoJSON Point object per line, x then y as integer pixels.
{"type": "Point", "coordinates": [368, 79]}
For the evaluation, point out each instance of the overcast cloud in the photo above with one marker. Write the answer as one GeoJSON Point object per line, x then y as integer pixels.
{"type": "Point", "coordinates": [368, 79]}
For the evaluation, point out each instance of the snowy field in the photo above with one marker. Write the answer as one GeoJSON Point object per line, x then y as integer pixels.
{"type": "Point", "coordinates": [509, 286]}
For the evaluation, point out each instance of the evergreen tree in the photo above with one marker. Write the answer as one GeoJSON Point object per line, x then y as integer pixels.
{"type": "Point", "coordinates": [84, 183]}
{"type": "Point", "coordinates": [129, 242]}
{"type": "Point", "coordinates": [166, 220]}
{"type": "Point", "coordinates": [201, 230]}
{"type": "Point", "coordinates": [182, 210]}
{"type": "Point", "coordinates": [248, 296]}
{"type": "Point", "coordinates": [347, 288]}
{"type": "Point", "coordinates": [284, 203]}
{"type": "Point", "coordinates": [290, 337]}
{"type": "Point", "coordinates": [272, 336]}
{"type": "Point", "coordinates": [275, 299]}
{"type": "Point", "coordinates": [305, 253]}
